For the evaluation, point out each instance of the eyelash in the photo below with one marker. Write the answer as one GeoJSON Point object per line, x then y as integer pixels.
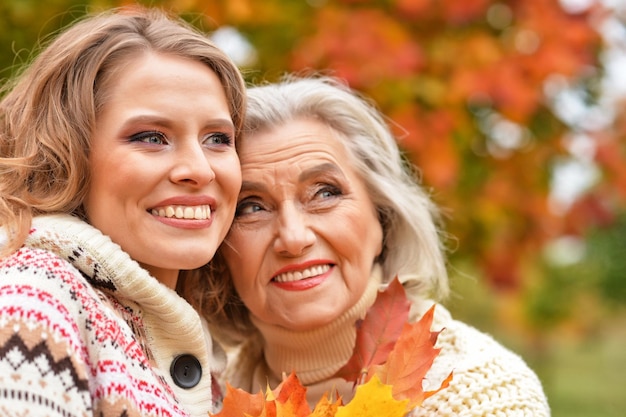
{"type": "Point", "coordinates": [222, 138]}
{"type": "Point", "coordinates": [225, 138]}
{"type": "Point", "coordinates": [246, 204]}
{"type": "Point", "coordinates": [250, 202]}
{"type": "Point", "coordinates": [331, 189]}
{"type": "Point", "coordinates": [142, 136]}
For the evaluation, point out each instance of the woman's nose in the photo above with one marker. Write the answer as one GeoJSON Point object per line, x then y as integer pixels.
{"type": "Point", "coordinates": [192, 165]}
{"type": "Point", "coordinates": [294, 235]}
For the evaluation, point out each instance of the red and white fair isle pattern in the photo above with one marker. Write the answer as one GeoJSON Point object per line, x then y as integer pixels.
{"type": "Point", "coordinates": [66, 351]}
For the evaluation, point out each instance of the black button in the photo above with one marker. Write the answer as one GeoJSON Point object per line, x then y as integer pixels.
{"type": "Point", "coordinates": [186, 371]}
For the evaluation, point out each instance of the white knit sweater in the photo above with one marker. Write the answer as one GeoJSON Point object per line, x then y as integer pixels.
{"type": "Point", "coordinates": [85, 331]}
{"type": "Point", "coordinates": [488, 379]}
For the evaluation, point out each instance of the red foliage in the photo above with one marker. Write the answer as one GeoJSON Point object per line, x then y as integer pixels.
{"type": "Point", "coordinates": [390, 360]}
{"type": "Point", "coordinates": [440, 70]}
{"type": "Point", "coordinates": [377, 333]}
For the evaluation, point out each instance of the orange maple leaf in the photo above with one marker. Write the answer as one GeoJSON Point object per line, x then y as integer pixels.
{"type": "Point", "coordinates": [377, 333]}
{"type": "Point", "coordinates": [292, 394]}
{"type": "Point", "coordinates": [400, 353]}
{"type": "Point", "coordinates": [239, 403]}
{"type": "Point", "coordinates": [410, 360]}
{"type": "Point", "coordinates": [288, 399]}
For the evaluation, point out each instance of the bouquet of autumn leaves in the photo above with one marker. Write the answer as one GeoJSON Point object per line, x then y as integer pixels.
{"type": "Point", "coordinates": [389, 362]}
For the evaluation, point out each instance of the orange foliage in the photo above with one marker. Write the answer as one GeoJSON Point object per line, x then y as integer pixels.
{"type": "Point", "coordinates": [440, 70]}
{"type": "Point", "coordinates": [410, 360]}
{"type": "Point", "coordinates": [377, 333]}
{"type": "Point", "coordinates": [347, 42]}
{"type": "Point", "coordinates": [391, 358]}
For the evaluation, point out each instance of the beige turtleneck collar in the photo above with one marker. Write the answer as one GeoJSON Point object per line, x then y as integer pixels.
{"type": "Point", "coordinates": [316, 354]}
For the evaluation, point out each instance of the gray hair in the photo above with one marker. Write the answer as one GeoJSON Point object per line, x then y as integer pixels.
{"type": "Point", "coordinates": [412, 245]}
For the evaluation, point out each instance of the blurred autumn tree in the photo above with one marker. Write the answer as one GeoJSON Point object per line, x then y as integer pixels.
{"type": "Point", "coordinates": [469, 86]}
{"type": "Point", "coordinates": [466, 84]}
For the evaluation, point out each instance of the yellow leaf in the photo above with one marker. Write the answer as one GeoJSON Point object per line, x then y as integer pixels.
{"type": "Point", "coordinates": [373, 399]}
{"type": "Point", "coordinates": [324, 408]}
{"type": "Point", "coordinates": [269, 394]}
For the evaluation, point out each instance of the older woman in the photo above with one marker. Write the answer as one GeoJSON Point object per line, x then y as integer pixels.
{"type": "Point", "coordinates": [328, 213]}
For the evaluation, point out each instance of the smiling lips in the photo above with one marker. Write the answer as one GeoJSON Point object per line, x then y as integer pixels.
{"type": "Point", "coordinates": [202, 212]}
{"type": "Point", "coordinates": [292, 276]}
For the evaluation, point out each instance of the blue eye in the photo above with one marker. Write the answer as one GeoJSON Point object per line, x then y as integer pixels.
{"type": "Point", "coordinates": [328, 191]}
{"type": "Point", "coordinates": [152, 137]}
{"type": "Point", "coordinates": [247, 207]}
{"type": "Point", "coordinates": [219, 139]}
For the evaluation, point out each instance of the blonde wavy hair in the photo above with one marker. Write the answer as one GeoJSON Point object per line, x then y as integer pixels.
{"type": "Point", "coordinates": [48, 111]}
{"type": "Point", "coordinates": [413, 245]}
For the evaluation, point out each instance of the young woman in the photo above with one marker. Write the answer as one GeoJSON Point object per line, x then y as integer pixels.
{"type": "Point", "coordinates": [119, 179]}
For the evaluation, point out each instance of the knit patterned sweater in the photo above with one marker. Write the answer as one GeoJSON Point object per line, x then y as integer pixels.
{"type": "Point", "coordinates": [488, 379]}
{"type": "Point", "coordinates": [85, 331]}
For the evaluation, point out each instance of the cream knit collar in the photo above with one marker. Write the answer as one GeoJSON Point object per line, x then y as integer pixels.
{"type": "Point", "coordinates": [103, 263]}
{"type": "Point", "coordinates": [112, 270]}
{"type": "Point", "coordinates": [317, 354]}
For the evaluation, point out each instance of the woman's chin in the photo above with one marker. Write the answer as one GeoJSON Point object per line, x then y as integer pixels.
{"type": "Point", "coordinates": [307, 323]}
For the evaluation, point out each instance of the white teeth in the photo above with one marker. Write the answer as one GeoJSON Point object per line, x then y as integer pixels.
{"type": "Point", "coordinates": [184, 212]}
{"type": "Point", "coordinates": [298, 275]}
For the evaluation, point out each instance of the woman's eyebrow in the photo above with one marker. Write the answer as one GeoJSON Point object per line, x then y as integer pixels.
{"type": "Point", "coordinates": [325, 168]}
{"type": "Point", "coordinates": [307, 174]}
{"type": "Point", "coordinates": [252, 186]}
{"type": "Point", "coordinates": [216, 123]}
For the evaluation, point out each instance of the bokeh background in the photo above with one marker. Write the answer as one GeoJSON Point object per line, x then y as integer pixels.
{"type": "Point", "coordinates": [513, 111]}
